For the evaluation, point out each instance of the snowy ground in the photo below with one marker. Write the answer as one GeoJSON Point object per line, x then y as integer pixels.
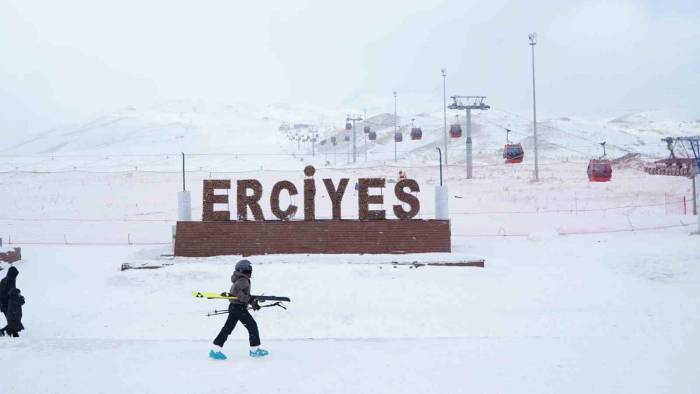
{"type": "Point", "coordinates": [587, 286]}
{"type": "Point", "coordinates": [610, 313]}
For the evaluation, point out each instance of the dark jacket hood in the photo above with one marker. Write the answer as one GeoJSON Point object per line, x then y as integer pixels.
{"type": "Point", "coordinates": [12, 273]}
{"type": "Point", "coordinates": [14, 292]}
{"type": "Point", "coordinates": [238, 275]}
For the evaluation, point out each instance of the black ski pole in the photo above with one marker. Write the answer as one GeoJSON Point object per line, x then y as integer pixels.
{"type": "Point", "coordinates": [217, 312]}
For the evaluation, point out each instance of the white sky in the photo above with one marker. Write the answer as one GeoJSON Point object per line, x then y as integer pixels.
{"type": "Point", "coordinates": [67, 60]}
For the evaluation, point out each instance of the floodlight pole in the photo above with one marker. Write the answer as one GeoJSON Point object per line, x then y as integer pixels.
{"type": "Point", "coordinates": [395, 130]}
{"type": "Point", "coordinates": [469, 144]}
{"type": "Point", "coordinates": [183, 172]}
{"type": "Point", "coordinates": [533, 42]}
{"type": "Point", "coordinates": [469, 103]}
{"type": "Point", "coordinates": [440, 162]}
{"type": "Point", "coordinates": [363, 132]}
{"type": "Point", "coordinates": [444, 109]}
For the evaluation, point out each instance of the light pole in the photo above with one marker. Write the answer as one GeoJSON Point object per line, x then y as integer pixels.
{"type": "Point", "coordinates": [314, 137]}
{"type": "Point", "coordinates": [354, 135]}
{"type": "Point", "coordinates": [533, 42]}
{"type": "Point", "coordinates": [440, 163]}
{"type": "Point", "coordinates": [364, 118]}
{"type": "Point", "coordinates": [444, 108]}
{"type": "Point", "coordinates": [468, 103]}
{"type": "Point", "coordinates": [395, 130]}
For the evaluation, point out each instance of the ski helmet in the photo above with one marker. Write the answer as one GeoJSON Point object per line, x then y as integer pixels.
{"type": "Point", "coordinates": [244, 267]}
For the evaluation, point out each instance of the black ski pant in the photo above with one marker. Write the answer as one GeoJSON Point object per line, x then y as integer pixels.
{"type": "Point", "coordinates": [238, 312]}
{"type": "Point", "coordinates": [4, 329]}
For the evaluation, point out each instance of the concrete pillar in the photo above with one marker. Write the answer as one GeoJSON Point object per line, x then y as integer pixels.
{"type": "Point", "coordinates": [184, 207]}
{"type": "Point", "coordinates": [441, 203]}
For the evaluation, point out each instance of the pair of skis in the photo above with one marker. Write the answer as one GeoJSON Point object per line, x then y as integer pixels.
{"type": "Point", "coordinates": [226, 296]}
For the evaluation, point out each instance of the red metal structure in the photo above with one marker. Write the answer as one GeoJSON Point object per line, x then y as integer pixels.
{"type": "Point", "coordinates": [672, 166]}
{"type": "Point", "coordinates": [600, 170]}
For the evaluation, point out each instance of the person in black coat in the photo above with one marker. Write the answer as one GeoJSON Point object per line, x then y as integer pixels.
{"type": "Point", "coordinates": [14, 313]}
{"type": "Point", "coordinates": [8, 283]}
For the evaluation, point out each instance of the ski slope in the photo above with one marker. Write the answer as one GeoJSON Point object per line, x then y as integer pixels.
{"type": "Point", "coordinates": [587, 286]}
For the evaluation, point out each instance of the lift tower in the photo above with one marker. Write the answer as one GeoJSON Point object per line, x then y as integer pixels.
{"type": "Point", "coordinates": [353, 119]}
{"type": "Point", "coordinates": [468, 103]}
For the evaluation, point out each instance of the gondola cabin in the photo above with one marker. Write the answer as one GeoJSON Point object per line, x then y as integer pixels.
{"type": "Point", "coordinates": [455, 130]}
{"type": "Point", "coordinates": [416, 133]}
{"type": "Point", "coordinates": [513, 153]}
{"type": "Point", "coordinates": [334, 141]}
{"type": "Point", "coordinates": [346, 138]}
{"type": "Point", "coordinates": [367, 129]}
{"type": "Point", "coordinates": [599, 170]}
{"type": "Point", "coordinates": [372, 135]}
{"type": "Point", "coordinates": [348, 126]}
{"type": "Point", "coordinates": [398, 137]}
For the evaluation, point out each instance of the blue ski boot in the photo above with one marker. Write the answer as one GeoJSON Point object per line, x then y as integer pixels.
{"type": "Point", "coordinates": [257, 353]}
{"type": "Point", "coordinates": [217, 355]}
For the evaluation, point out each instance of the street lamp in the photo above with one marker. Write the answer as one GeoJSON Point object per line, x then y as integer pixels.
{"type": "Point", "coordinates": [364, 131]}
{"type": "Point", "coordinates": [533, 42]}
{"type": "Point", "coordinates": [444, 108]}
{"type": "Point", "coordinates": [395, 129]}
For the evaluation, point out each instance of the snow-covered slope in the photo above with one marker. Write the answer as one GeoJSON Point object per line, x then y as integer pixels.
{"type": "Point", "coordinates": [586, 285]}
{"type": "Point", "coordinates": [193, 127]}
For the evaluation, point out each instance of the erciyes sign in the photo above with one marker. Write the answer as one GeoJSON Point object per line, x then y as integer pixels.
{"type": "Point", "coordinates": [249, 193]}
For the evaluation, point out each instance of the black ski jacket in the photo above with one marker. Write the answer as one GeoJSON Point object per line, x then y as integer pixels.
{"type": "Point", "coordinates": [14, 311]}
{"type": "Point", "coordinates": [6, 284]}
{"type": "Point", "coordinates": [240, 288]}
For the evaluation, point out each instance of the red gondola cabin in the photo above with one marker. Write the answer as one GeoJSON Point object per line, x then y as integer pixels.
{"type": "Point", "coordinates": [455, 130]}
{"type": "Point", "coordinates": [599, 170]}
{"type": "Point", "coordinates": [513, 153]}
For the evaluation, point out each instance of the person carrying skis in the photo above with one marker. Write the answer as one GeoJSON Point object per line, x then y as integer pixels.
{"type": "Point", "coordinates": [14, 313]}
{"type": "Point", "coordinates": [8, 283]}
{"type": "Point", "coordinates": [238, 310]}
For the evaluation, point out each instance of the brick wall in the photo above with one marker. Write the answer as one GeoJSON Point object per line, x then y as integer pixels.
{"type": "Point", "coordinates": [202, 239]}
{"type": "Point", "coordinates": [11, 256]}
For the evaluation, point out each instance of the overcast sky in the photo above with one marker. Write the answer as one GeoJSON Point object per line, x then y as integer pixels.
{"type": "Point", "coordinates": [67, 60]}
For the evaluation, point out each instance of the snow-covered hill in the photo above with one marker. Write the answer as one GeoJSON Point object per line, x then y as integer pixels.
{"type": "Point", "coordinates": [181, 126]}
